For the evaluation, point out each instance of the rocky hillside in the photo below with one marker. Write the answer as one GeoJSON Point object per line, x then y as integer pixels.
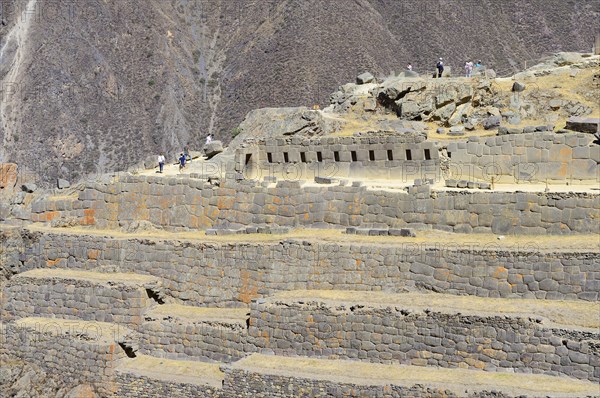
{"type": "Point", "coordinates": [97, 86]}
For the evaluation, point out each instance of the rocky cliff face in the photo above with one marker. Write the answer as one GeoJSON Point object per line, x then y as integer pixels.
{"type": "Point", "coordinates": [96, 86]}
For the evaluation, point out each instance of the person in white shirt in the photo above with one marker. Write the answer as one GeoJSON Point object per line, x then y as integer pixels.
{"type": "Point", "coordinates": [161, 162]}
{"type": "Point", "coordinates": [468, 69]}
{"type": "Point", "coordinates": [208, 139]}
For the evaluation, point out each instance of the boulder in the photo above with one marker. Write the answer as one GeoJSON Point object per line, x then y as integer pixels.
{"type": "Point", "coordinates": [8, 175]}
{"type": "Point", "coordinates": [515, 119]}
{"type": "Point", "coordinates": [462, 111]}
{"type": "Point", "coordinates": [151, 162]}
{"type": "Point", "coordinates": [583, 124]}
{"type": "Point", "coordinates": [63, 184]}
{"type": "Point", "coordinates": [490, 73]}
{"type": "Point", "coordinates": [278, 122]}
{"type": "Point", "coordinates": [492, 122]}
{"type": "Point", "coordinates": [29, 187]}
{"type": "Point", "coordinates": [213, 149]}
{"type": "Point", "coordinates": [456, 133]}
{"type": "Point", "coordinates": [19, 198]}
{"type": "Point", "coordinates": [409, 109]}
{"type": "Point", "coordinates": [445, 112]}
{"type": "Point", "coordinates": [518, 87]}
{"type": "Point", "coordinates": [370, 105]}
{"type": "Point", "coordinates": [365, 78]}
{"type": "Point", "coordinates": [555, 104]}
{"type": "Point", "coordinates": [403, 232]}
{"type": "Point", "coordinates": [564, 59]}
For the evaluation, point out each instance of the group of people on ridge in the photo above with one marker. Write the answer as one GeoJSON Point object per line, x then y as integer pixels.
{"type": "Point", "coordinates": [183, 158]}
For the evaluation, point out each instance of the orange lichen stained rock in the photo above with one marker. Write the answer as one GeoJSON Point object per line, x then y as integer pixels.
{"type": "Point", "coordinates": [93, 254]}
{"type": "Point", "coordinates": [248, 290]}
{"type": "Point", "coordinates": [8, 175]}
{"type": "Point", "coordinates": [501, 273]}
{"type": "Point", "coordinates": [89, 217]}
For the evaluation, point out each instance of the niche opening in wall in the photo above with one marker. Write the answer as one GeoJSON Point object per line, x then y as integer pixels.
{"type": "Point", "coordinates": [427, 154]}
{"type": "Point", "coordinates": [372, 156]}
{"type": "Point", "coordinates": [248, 159]}
{"type": "Point", "coordinates": [269, 157]}
{"type": "Point", "coordinates": [303, 157]}
{"type": "Point", "coordinates": [390, 155]}
{"type": "Point", "coordinates": [319, 157]}
{"type": "Point", "coordinates": [336, 156]}
{"type": "Point", "coordinates": [286, 157]}
{"type": "Point", "coordinates": [408, 154]}
{"type": "Point", "coordinates": [354, 157]}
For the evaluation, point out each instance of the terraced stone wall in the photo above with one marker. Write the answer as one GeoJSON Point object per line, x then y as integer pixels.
{"type": "Point", "coordinates": [135, 386]}
{"type": "Point", "coordinates": [398, 157]}
{"type": "Point", "coordinates": [389, 335]}
{"type": "Point", "coordinates": [213, 341]}
{"type": "Point", "coordinates": [531, 157]}
{"type": "Point", "coordinates": [78, 300]}
{"type": "Point", "coordinates": [247, 384]}
{"type": "Point", "coordinates": [235, 273]}
{"type": "Point", "coordinates": [189, 204]}
{"type": "Point", "coordinates": [76, 360]}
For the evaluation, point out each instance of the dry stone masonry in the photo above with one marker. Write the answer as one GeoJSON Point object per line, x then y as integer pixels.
{"type": "Point", "coordinates": [355, 251]}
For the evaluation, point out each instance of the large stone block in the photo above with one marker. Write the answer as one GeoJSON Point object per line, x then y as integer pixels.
{"type": "Point", "coordinates": [584, 124]}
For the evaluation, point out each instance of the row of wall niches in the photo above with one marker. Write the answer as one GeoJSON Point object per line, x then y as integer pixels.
{"type": "Point", "coordinates": [353, 156]}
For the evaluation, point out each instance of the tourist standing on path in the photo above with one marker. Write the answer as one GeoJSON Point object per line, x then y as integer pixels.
{"type": "Point", "coordinates": [468, 69]}
{"type": "Point", "coordinates": [409, 67]}
{"type": "Point", "coordinates": [181, 162]}
{"type": "Point", "coordinates": [186, 152]}
{"type": "Point", "coordinates": [161, 163]}
{"type": "Point", "coordinates": [440, 67]}
{"type": "Point", "coordinates": [208, 139]}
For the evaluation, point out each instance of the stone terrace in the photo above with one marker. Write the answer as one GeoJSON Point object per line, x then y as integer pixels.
{"type": "Point", "coordinates": [442, 285]}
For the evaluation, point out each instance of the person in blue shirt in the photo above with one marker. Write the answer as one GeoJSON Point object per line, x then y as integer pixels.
{"type": "Point", "coordinates": [181, 161]}
{"type": "Point", "coordinates": [440, 67]}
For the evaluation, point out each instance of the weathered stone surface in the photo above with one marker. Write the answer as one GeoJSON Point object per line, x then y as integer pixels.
{"type": "Point", "coordinates": [8, 176]}
{"type": "Point", "coordinates": [518, 87]}
{"type": "Point", "coordinates": [492, 122]}
{"type": "Point", "coordinates": [63, 184]}
{"type": "Point", "coordinates": [584, 125]}
{"type": "Point", "coordinates": [29, 187]}
{"type": "Point", "coordinates": [365, 78]}
{"type": "Point", "coordinates": [212, 149]}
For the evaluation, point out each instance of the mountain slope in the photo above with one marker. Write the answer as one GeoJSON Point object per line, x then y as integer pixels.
{"type": "Point", "coordinates": [97, 86]}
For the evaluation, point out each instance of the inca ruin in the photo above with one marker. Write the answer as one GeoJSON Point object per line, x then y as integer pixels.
{"type": "Point", "coordinates": [414, 237]}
